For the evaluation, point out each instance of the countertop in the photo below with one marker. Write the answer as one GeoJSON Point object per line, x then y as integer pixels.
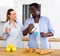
{"type": "Point", "coordinates": [20, 52]}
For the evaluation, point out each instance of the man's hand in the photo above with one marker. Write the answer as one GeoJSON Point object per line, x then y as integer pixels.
{"type": "Point", "coordinates": [42, 34]}
{"type": "Point", "coordinates": [49, 34]}
{"type": "Point", "coordinates": [30, 27]}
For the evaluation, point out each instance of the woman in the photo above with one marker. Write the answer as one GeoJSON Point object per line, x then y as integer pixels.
{"type": "Point", "coordinates": [12, 29]}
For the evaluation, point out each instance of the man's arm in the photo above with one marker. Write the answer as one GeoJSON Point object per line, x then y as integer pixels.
{"type": "Point", "coordinates": [25, 32]}
{"type": "Point", "coordinates": [28, 29]}
{"type": "Point", "coordinates": [50, 30]}
{"type": "Point", "coordinates": [49, 34]}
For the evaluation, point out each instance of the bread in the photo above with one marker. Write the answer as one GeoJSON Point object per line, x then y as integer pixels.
{"type": "Point", "coordinates": [45, 51]}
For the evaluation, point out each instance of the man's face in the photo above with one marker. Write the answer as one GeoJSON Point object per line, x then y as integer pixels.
{"type": "Point", "coordinates": [33, 11]}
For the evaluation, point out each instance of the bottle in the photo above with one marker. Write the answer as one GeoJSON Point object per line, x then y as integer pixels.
{"type": "Point", "coordinates": [38, 37]}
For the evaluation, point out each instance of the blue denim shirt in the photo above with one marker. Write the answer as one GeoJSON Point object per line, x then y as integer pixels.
{"type": "Point", "coordinates": [45, 26]}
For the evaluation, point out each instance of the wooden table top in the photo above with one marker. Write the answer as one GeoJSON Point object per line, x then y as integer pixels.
{"type": "Point", "coordinates": [20, 52]}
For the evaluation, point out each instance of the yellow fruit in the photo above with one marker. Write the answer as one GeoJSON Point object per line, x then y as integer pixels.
{"type": "Point", "coordinates": [10, 46]}
{"type": "Point", "coordinates": [14, 49]}
{"type": "Point", "coordinates": [8, 49]}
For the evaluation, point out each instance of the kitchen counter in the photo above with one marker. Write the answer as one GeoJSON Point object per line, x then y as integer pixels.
{"type": "Point", "coordinates": [20, 52]}
{"type": "Point", "coordinates": [27, 39]}
{"type": "Point", "coordinates": [50, 39]}
{"type": "Point", "coordinates": [1, 38]}
{"type": "Point", "coordinates": [54, 39]}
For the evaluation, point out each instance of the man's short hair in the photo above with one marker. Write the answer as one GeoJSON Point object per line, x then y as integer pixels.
{"type": "Point", "coordinates": [36, 5]}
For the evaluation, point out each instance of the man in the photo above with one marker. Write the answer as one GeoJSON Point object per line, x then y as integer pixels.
{"type": "Point", "coordinates": [45, 27]}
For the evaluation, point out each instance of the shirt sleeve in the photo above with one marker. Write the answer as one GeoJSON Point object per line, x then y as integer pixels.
{"type": "Point", "coordinates": [3, 32]}
{"type": "Point", "coordinates": [25, 25]}
{"type": "Point", "coordinates": [50, 27]}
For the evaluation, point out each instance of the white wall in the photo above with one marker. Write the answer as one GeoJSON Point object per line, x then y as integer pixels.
{"type": "Point", "coordinates": [18, 8]}
{"type": "Point", "coordinates": [7, 4]}
{"type": "Point", "coordinates": [4, 6]}
{"type": "Point", "coordinates": [52, 11]}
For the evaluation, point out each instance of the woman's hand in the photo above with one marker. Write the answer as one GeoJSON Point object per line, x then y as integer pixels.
{"type": "Point", "coordinates": [7, 30]}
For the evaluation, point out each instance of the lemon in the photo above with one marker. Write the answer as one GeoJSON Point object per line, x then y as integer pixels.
{"type": "Point", "coordinates": [10, 46]}
{"type": "Point", "coordinates": [13, 49]}
{"type": "Point", "coordinates": [8, 49]}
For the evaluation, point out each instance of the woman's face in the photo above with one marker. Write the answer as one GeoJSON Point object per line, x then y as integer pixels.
{"type": "Point", "coordinates": [12, 15]}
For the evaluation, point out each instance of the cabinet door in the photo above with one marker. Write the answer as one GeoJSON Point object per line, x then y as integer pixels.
{"type": "Point", "coordinates": [55, 45]}
{"type": "Point", "coordinates": [2, 43]}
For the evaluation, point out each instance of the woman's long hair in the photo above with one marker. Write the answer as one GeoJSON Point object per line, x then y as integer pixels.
{"type": "Point", "coordinates": [8, 13]}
